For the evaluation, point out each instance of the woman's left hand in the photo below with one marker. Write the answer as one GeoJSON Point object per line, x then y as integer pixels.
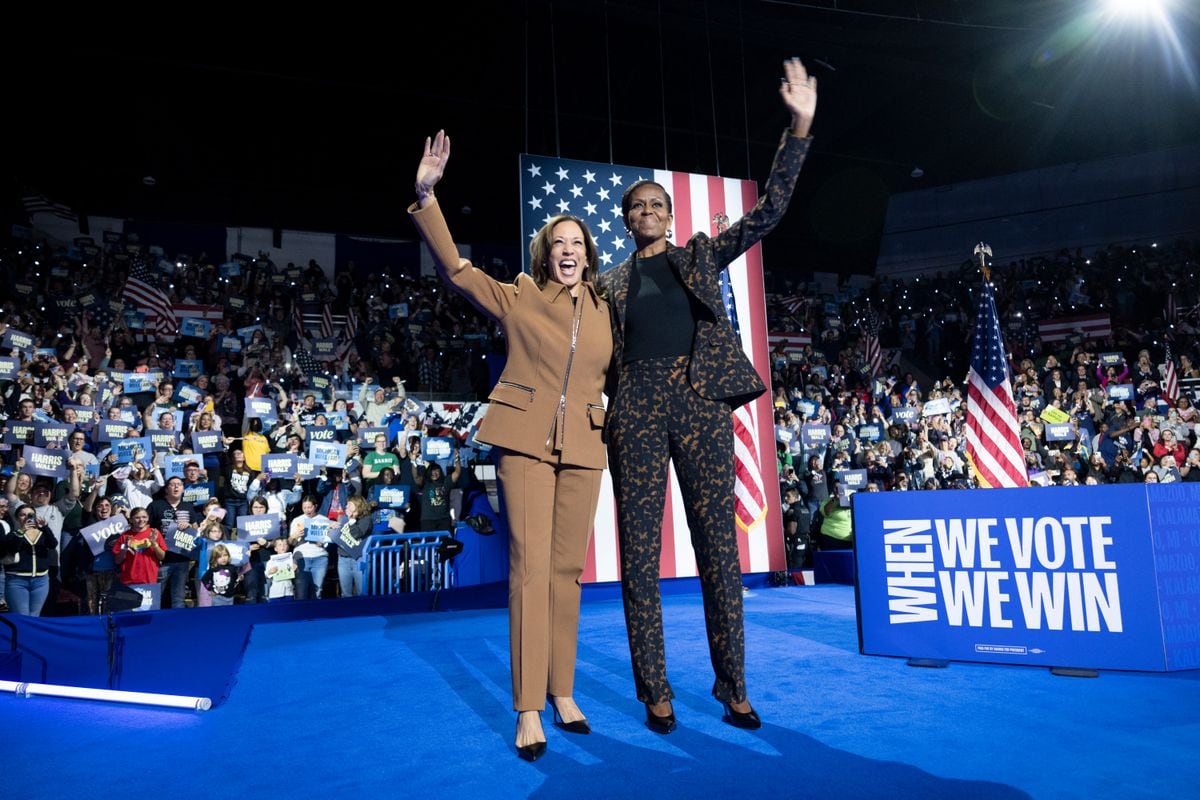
{"type": "Point", "coordinates": [799, 93]}
{"type": "Point", "coordinates": [432, 165]}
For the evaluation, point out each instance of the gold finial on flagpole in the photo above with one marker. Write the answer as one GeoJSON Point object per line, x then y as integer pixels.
{"type": "Point", "coordinates": [983, 251]}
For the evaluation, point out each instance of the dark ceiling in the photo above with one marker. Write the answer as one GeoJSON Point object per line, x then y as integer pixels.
{"type": "Point", "coordinates": [316, 122]}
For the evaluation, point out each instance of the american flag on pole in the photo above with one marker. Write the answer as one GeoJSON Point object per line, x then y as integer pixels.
{"type": "Point", "coordinates": [874, 356]}
{"type": "Point", "coordinates": [1170, 379]}
{"type": "Point", "coordinates": [298, 319]}
{"type": "Point", "coordinates": [149, 299]}
{"type": "Point", "coordinates": [993, 438]}
{"type": "Point", "coordinates": [351, 323]}
{"type": "Point", "coordinates": [592, 192]}
{"type": "Point", "coordinates": [326, 321]}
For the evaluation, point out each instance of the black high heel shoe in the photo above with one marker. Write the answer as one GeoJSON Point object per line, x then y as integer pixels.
{"type": "Point", "coordinates": [663, 725]}
{"type": "Point", "coordinates": [578, 726]}
{"type": "Point", "coordinates": [531, 752]}
{"type": "Point", "coordinates": [748, 720]}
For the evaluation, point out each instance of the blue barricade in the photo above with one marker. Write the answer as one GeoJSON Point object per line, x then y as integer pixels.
{"type": "Point", "coordinates": [405, 562]}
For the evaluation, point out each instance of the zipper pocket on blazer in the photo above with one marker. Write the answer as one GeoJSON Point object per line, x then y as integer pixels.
{"type": "Point", "coordinates": [522, 386]}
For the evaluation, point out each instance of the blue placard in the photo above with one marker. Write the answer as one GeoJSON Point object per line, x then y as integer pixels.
{"type": "Point", "coordinates": [904, 415]}
{"type": "Point", "coordinates": [1120, 391]}
{"type": "Point", "coordinates": [85, 416]}
{"type": "Point", "coordinates": [182, 541]}
{"type": "Point", "coordinates": [45, 463]}
{"type": "Point", "coordinates": [247, 333]}
{"type": "Point", "coordinates": [208, 442]}
{"type": "Point", "coordinates": [397, 310]}
{"type": "Point", "coordinates": [324, 348]}
{"type": "Point", "coordinates": [437, 448]}
{"type": "Point", "coordinates": [109, 430]}
{"type": "Point", "coordinates": [784, 434]}
{"type": "Point", "coordinates": [189, 368]}
{"type": "Point", "coordinates": [46, 353]}
{"type": "Point", "coordinates": [870, 433]}
{"type": "Point", "coordinates": [134, 320]}
{"type": "Point", "coordinates": [16, 340]}
{"type": "Point", "coordinates": [391, 496]}
{"type": "Point", "coordinates": [380, 518]}
{"type": "Point", "coordinates": [807, 409]}
{"type": "Point", "coordinates": [195, 327]}
{"type": "Point", "coordinates": [130, 417]}
{"type": "Point", "coordinates": [1112, 359]}
{"type": "Point", "coordinates": [151, 596]}
{"type": "Point", "coordinates": [1093, 576]}
{"type": "Point", "coordinates": [231, 269]}
{"type": "Point", "coordinates": [1060, 432]}
{"type": "Point", "coordinates": [853, 478]}
{"type": "Point", "coordinates": [261, 407]}
{"type": "Point", "coordinates": [172, 465]}
{"type": "Point", "coordinates": [307, 469]}
{"type": "Point", "coordinates": [198, 493]}
{"type": "Point", "coordinates": [129, 450]}
{"type": "Point", "coordinates": [51, 434]}
{"type": "Point", "coordinates": [814, 435]}
{"type": "Point", "coordinates": [366, 436]}
{"type": "Point", "coordinates": [19, 432]}
{"type": "Point", "coordinates": [98, 534]}
{"type": "Point", "coordinates": [137, 383]}
{"type": "Point", "coordinates": [188, 395]}
{"type": "Point", "coordinates": [320, 433]}
{"type": "Point", "coordinates": [231, 344]}
{"type": "Point", "coordinates": [338, 420]}
{"type": "Point", "coordinates": [9, 367]}
{"type": "Point", "coordinates": [330, 455]}
{"type": "Point", "coordinates": [934, 407]}
{"type": "Point", "coordinates": [317, 529]}
{"type": "Point", "coordinates": [252, 527]}
{"type": "Point", "coordinates": [280, 464]}
{"type": "Point", "coordinates": [163, 441]}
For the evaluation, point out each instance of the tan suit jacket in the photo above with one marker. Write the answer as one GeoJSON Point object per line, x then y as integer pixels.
{"type": "Point", "coordinates": [547, 403]}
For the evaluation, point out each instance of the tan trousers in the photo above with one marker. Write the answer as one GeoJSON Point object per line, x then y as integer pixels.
{"type": "Point", "coordinates": [550, 509]}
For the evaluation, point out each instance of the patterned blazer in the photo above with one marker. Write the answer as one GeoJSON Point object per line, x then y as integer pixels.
{"type": "Point", "coordinates": [719, 369]}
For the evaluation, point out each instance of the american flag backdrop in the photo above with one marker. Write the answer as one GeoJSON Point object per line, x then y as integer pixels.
{"type": "Point", "coordinates": [993, 438]}
{"type": "Point", "coordinates": [592, 192]}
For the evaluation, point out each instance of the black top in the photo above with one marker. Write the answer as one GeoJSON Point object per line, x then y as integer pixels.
{"type": "Point", "coordinates": [659, 322]}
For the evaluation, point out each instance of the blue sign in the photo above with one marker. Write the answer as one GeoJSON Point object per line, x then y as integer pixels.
{"type": "Point", "coordinates": [390, 496]}
{"type": "Point", "coordinates": [1060, 432]}
{"type": "Point", "coordinates": [904, 415]}
{"type": "Point", "coordinates": [194, 327]}
{"type": "Point", "coordinates": [806, 408]}
{"type": "Point", "coordinates": [261, 407]}
{"type": "Point", "coordinates": [189, 368]}
{"type": "Point", "coordinates": [231, 344]}
{"type": "Point", "coordinates": [853, 478]}
{"type": "Point", "coordinates": [136, 384]}
{"type": "Point", "coordinates": [45, 463]}
{"type": "Point", "coordinates": [814, 435]}
{"type": "Point", "coordinates": [784, 434]}
{"type": "Point", "coordinates": [1092, 576]}
{"type": "Point", "coordinates": [1120, 391]}
{"type": "Point", "coordinates": [317, 529]}
{"type": "Point", "coordinates": [320, 433]}
{"type": "Point", "coordinates": [188, 395]}
{"type": "Point", "coordinates": [163, 441]}
{"type": "Point", "coordinates": [51, 434]}
{"type": "Point", "coordinates": [130, 450]}
{"type": "Point", "coordinates": [208, 442]}
{"type": "Point", "coordinates": [1112, 359]}
{"type": "Point", "coordinates": [108, 430]}
{"type": "Point", "coordinates": [871, 433]}
{"type": "Point", "coordinates": [280, 464]}
{"type": "Point", "coordinates": [247, 333]}
{"type": "Point", "coordinates": [437, 448]}
{"type": "Point", "coordinates": [231, 269]}
{"type": "Point", "coordinates": [327, 454]}
{"type": "Point", "coordinates": [172, 466]}
{"type": "Point", "coordinates": [198, 493]}
{"type": "Point", "coordinates": [252, 527]}
{"type": "Point", "coordinates": [9, 367]}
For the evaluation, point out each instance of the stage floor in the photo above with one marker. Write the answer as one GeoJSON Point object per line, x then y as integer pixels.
{"type": "Point", "coordinates": [418, 705]}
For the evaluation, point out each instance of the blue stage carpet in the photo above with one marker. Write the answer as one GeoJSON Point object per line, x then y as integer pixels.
{"type": "Point", "coordinates": [417, 705]}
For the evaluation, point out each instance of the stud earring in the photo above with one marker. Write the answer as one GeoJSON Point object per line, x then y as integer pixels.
{"type": "Point", "coordinates": [670, 233]}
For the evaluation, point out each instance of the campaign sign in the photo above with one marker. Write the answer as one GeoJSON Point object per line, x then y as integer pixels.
{"type": "Point", "coordinates": [45, 463]}
{"type": "Point", "coordinates": [380, 518]}
{"type": "Point", "coordinates": [346, 541]}
{"type": "Point", "coordinates": [324, 348]}
{"type": "Point", "coordinates": [806, 408]}
{"type": "Point", "coordinates": [111, 430]}
{"type": "Point", "coordinates": [85, 416]}
{"type": "Point", "coordinates": [935, 407]}
{"type": "Point", "coordinates": [163, 441]}
{"type": "Point", "coordinates": [437, 448]}
{"type": "Point", "coordinates": [172, 466]}
{"type": "Point", "coordinates": [231, 344]}
{"type": "Point", "coordinates": [208, 442]}
{"type": "Point", "coordinates": [195, 327]}
{"type": "Point", "coordinates": [198, 493]}
{"type": "Point", "coordinates": [261, 407]}
{"type": "Point", "coordinates": [189, 368]}
{"type": "Point", "coordinates": [317, 529]}
{"type": "Point", "coordinates": [814, 435]}
{"type": "Point", "coordinates": [182, 541]}
{"type": "Point", "coordinates": [318, 382]}
{"type": "Point", "coordinates": [236, 303]}
{"type": "Point", "coordinates": [51, 434]}
{"type": "Point", "coordinates": [396, 310]}
{"type": "Point", "coordinates": [1111, 359]}
{"type": "Point", "coordinates": [134, 320]}
{"type": "Point", "coordinates": [136, 383]}
{"type": "Point", "coordinates": [280, 464]}
{"type": "Point", "coordinates": [366, 436]}
{"type": "Point", "coordinates": [151, 596]}
{"type": "Point", "coordinates": [252, 527]}
{"type": "Point", "coordinates": [9, 367]}
{"type": "Point", "coordinates": [390, 496]}
{"type": "Point", "coordinates": [1060, 432]}
{"type": "Point", "coordinates": [338, 420]}
{"type": "Point", "coordinates": [784, 434]}
{"type": "Point", "coordinates": [871, 433]}
{"type": "Point", "coordinates": [327, 454]}
{"type": "Point", "coordinates": [130, 417]}
{"type": "Point", "coordinates": [320, 433]}
{"type": "Point", "coordinates": [97, 535]}
{"type": "Point", "coordinates": [238, 551]}
{"type": "Point", "coordinates": [129, 450]}
{"type": "Point", "coordinates": [1054, 415]}
{"type": "Point", "coordinates": [247, 333]}
{"type": "Point", "coordinates": [19, 432]}
{"type": "Point", "coordinates": [231, 269]}
{"type": "Point", "coordinates": [16, 340]}
{"type": "Point", "coordinates": [187, 395]}
{"type": "Point", "coordinates": [1091, 576]}
{"type": "Point", "coordinates": [307, 469]}
{"type": "Point", "coordinates": [853, 478]}
{"type": "Point", "coordinates": [1120, 391]}
{"type": "Point", "coordinates": [904, 415]}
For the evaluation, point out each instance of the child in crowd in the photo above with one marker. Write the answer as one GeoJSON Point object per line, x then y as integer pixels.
{"type": "Point", "coordinates": [281, 571]}
{"type": "Point", "coordinates": [222, 578]}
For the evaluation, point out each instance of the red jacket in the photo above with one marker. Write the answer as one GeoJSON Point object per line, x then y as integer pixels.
{"type": "Point", "coordinates": [140, 564]}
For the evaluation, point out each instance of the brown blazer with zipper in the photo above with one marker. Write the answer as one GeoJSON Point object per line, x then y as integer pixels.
{"type": "Point", "coordinates": [540, 406]}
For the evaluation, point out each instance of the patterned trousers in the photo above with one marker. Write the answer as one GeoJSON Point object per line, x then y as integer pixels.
{"type": "Point", "coordinates": [657, 415]}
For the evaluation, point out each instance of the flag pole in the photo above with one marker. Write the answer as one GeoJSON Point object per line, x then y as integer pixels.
{"type": "Point", "coordinates": [984, 252]}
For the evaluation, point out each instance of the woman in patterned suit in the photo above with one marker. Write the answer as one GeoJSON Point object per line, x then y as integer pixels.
{"type": "Point", "coordinates": [545, 417]}
{"type": "Point", "coordinates": [678, 372]}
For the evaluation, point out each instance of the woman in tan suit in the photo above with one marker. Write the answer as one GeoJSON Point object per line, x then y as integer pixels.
{"type": "Point", "coordinates": [545, 416]}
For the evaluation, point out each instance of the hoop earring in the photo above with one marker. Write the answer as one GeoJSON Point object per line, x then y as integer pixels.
{"type": "Point", "coordinates": [628, 233]}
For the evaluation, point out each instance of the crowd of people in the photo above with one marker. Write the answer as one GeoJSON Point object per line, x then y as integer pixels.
{"type": "Point", "coordinates": [1090, 409]}
{"type": "Point", "coordinates": [69, 356]}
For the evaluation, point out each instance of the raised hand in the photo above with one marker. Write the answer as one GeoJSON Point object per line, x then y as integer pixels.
{"type": "Point", "coordinates": [432, 165]}
{"type": "Point", "coordinates": [799, 93]}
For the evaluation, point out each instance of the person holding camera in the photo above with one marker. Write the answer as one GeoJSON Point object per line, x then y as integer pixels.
{"type": "Point", "coordinates": [27, 552]}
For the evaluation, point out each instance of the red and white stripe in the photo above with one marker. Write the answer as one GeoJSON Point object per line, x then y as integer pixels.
{"type": "Point", "coordinates": [697, 198]}
{"type": "Point", "coordinates": [1091, 326]}
{"type": "Point", "coordinates": [993, 437]}
{"type": "Point", "coordinates": [1170, 380]}
{"type": "Point", "coordinates": [874, 355]}
{"type": "Point", "coordinates": [154, 303]}
{"type": "Point", "coordinates": [792, 341]}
